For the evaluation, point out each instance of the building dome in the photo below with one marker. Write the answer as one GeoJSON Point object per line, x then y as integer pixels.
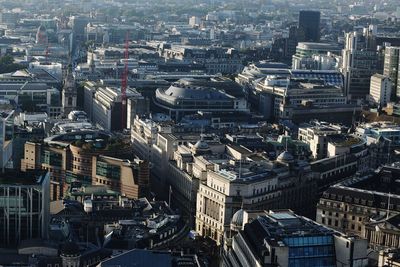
{"type": "Point", "coordinates": [70, 249]}
{"type": "Point", "coordinates": [285, 157]}
{"type": "Point", "coordinates": [201, 145]}
{"type": "Point", "coordinates": [237, 220]}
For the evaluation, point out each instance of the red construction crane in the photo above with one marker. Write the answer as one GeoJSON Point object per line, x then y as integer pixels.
{"type": "Point", "coordinates": [124, 82]}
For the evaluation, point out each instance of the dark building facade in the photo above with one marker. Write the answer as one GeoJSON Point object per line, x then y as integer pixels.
{"type": "Point", "coordinates": [309, 26]}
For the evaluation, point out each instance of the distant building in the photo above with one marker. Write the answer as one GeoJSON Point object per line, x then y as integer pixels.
{"type": "Point", "coordinates": [302, 99]}
{"type": "Point", "coordinates": [184, 97]}
{"type": "Point", "coordinates": [69, 93]}
{"type": "Point", "coordinates": [6, 137]}
{"type": "Point", "coordinates": [391, 68]}
{"type": "Point", "coordinates": [316, 135]}
{"type": "Point", "coordinates": [380, 90]}
{"type": "Point", "coordinates": [309, 22]}
{"type": "Point", "coordinates": [194, 21]}
{"type": "Point", "coordinates": [24, 207]}
{"type": "Point", "coordinates": [305, 51]}
{"type": "Point", "coordinates": [103, 105]}
{"type": "Point", "coordinates": [360, 62]}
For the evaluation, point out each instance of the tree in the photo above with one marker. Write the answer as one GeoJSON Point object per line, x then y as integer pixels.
{"type": "Point", "coordinates": [7, 64]}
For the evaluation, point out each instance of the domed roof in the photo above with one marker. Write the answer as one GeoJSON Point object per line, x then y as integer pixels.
{"type": "Point", "coordinates": [285, 156]}
{"type": "Point", "coordinates": [182, 91]}
{"type": "Point", "coordinates": [237, 220]}
{"type": "Point", "coordinates": [201, 145]}
{"type": "Point", "coordinates": [70, 249]}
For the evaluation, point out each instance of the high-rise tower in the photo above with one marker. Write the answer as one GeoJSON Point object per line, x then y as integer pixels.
{"type": "Point", "coordinates": [309, 26]}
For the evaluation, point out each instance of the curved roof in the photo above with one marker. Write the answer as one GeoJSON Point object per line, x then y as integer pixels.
{"type": "Point", "coordinates": [285, 156]}
{"type": "Point", "coordinates": [188, 92]}
{"type": "Point", "coordinates": [201, 145]}
{"type": "Point", "coordinates": [237, 220]}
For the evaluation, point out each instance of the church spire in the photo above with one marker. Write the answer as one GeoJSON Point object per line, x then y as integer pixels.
{"type": "Point", "coordinates": [69, 92]}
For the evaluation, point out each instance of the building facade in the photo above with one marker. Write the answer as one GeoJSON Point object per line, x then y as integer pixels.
{"type": "Point", "coordinates": [380, 90]}
{"type": "Point", "coordinates": [24, 207]}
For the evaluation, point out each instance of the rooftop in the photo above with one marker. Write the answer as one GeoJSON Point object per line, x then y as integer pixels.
{"type": "Point", "coordinates": [280, 227]}
{"type": "Point", "coordinates": [22, 178]}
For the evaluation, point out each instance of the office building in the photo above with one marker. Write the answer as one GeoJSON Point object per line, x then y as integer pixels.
{"type": "Point", "coordinates": [303, 59]}
{"type": "Point", "coordinates": [359, 63]}
{"type": "Point", "coordinates": [283, 238]}
{"type": "Point", "coordinates": [185, 97]}
{"type": "Point", "coordinates": [71, 159]}
{"type": "Point", "coordinates": [301, 99]}
{"type": "Point", "coordinates": [308, 30]}
{"type": "Point", "coordinates": [131, 178]}
{"type": "Point", "coordinates": [391, 68]}
{"type": "Point", "coordinates": [380, 90]}
{"type": "Point", "coordinates": [24, 207]}
{"type": "Point", "coordinates": [103, 105]}
{"type": "Point", "coordinates": [254, 185]}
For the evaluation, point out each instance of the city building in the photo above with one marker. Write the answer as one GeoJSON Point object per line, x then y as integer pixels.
{"type": "Point", "coordinates": [69, 93]}
{"type": "Point", "coordinates": [24, 207]}
{"type": "Point", "coordinates": [303, 59]}
{"type": "Point", "coordinates": [360, 62]}
{"type": "Point", "coordinates": [309, 22]}
{"type": "Point", "coordinates": [301, 99]}
{"type": "Point", "coordinates": [132, 179]}
{"type": "Point", "coordinates": [380, 90]}
{"type": "Point", "coordinates": [103, 104]}
{"type": "Point", "coordinates": [254, 184]}
{"type": "Point", "coordinates": [6, 138]}
{"type": "Point", "coordinates": [316, 136]}
{"type": "Point", "coordinates": [214, 59]}
{"type": "Point", "coordinates": [363, 205]}
{"type": "Point", "coordinates": [71, 160]}
{"type": "Point", "coordinates": [391, 68]}
{"type": "Point", "coordinates": [283, 238]}
{"type": "Point", "coordinates": [183, 98]}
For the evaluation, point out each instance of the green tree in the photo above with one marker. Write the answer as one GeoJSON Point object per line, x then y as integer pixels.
{"type": "Point", "coordinates": [7, 64]}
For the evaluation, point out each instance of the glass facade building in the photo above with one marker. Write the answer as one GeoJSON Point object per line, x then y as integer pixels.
{"type": "Point", "coordinates": [311, 251]}
{"type": "Point", "coordinates": [282, 238]}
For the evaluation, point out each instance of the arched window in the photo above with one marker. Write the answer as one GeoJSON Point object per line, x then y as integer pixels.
{"type": "Point", "coordinates": [69, 101]}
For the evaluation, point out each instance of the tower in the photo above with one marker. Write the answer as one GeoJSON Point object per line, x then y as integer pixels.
{"type": "Point", "coordinates": [69, 92]}
{"type": "Point", "coordinates": [309, 26]}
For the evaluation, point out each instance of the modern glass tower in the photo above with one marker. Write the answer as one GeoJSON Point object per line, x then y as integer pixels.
{"type": "Point", "coordinates": [309, 26]}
